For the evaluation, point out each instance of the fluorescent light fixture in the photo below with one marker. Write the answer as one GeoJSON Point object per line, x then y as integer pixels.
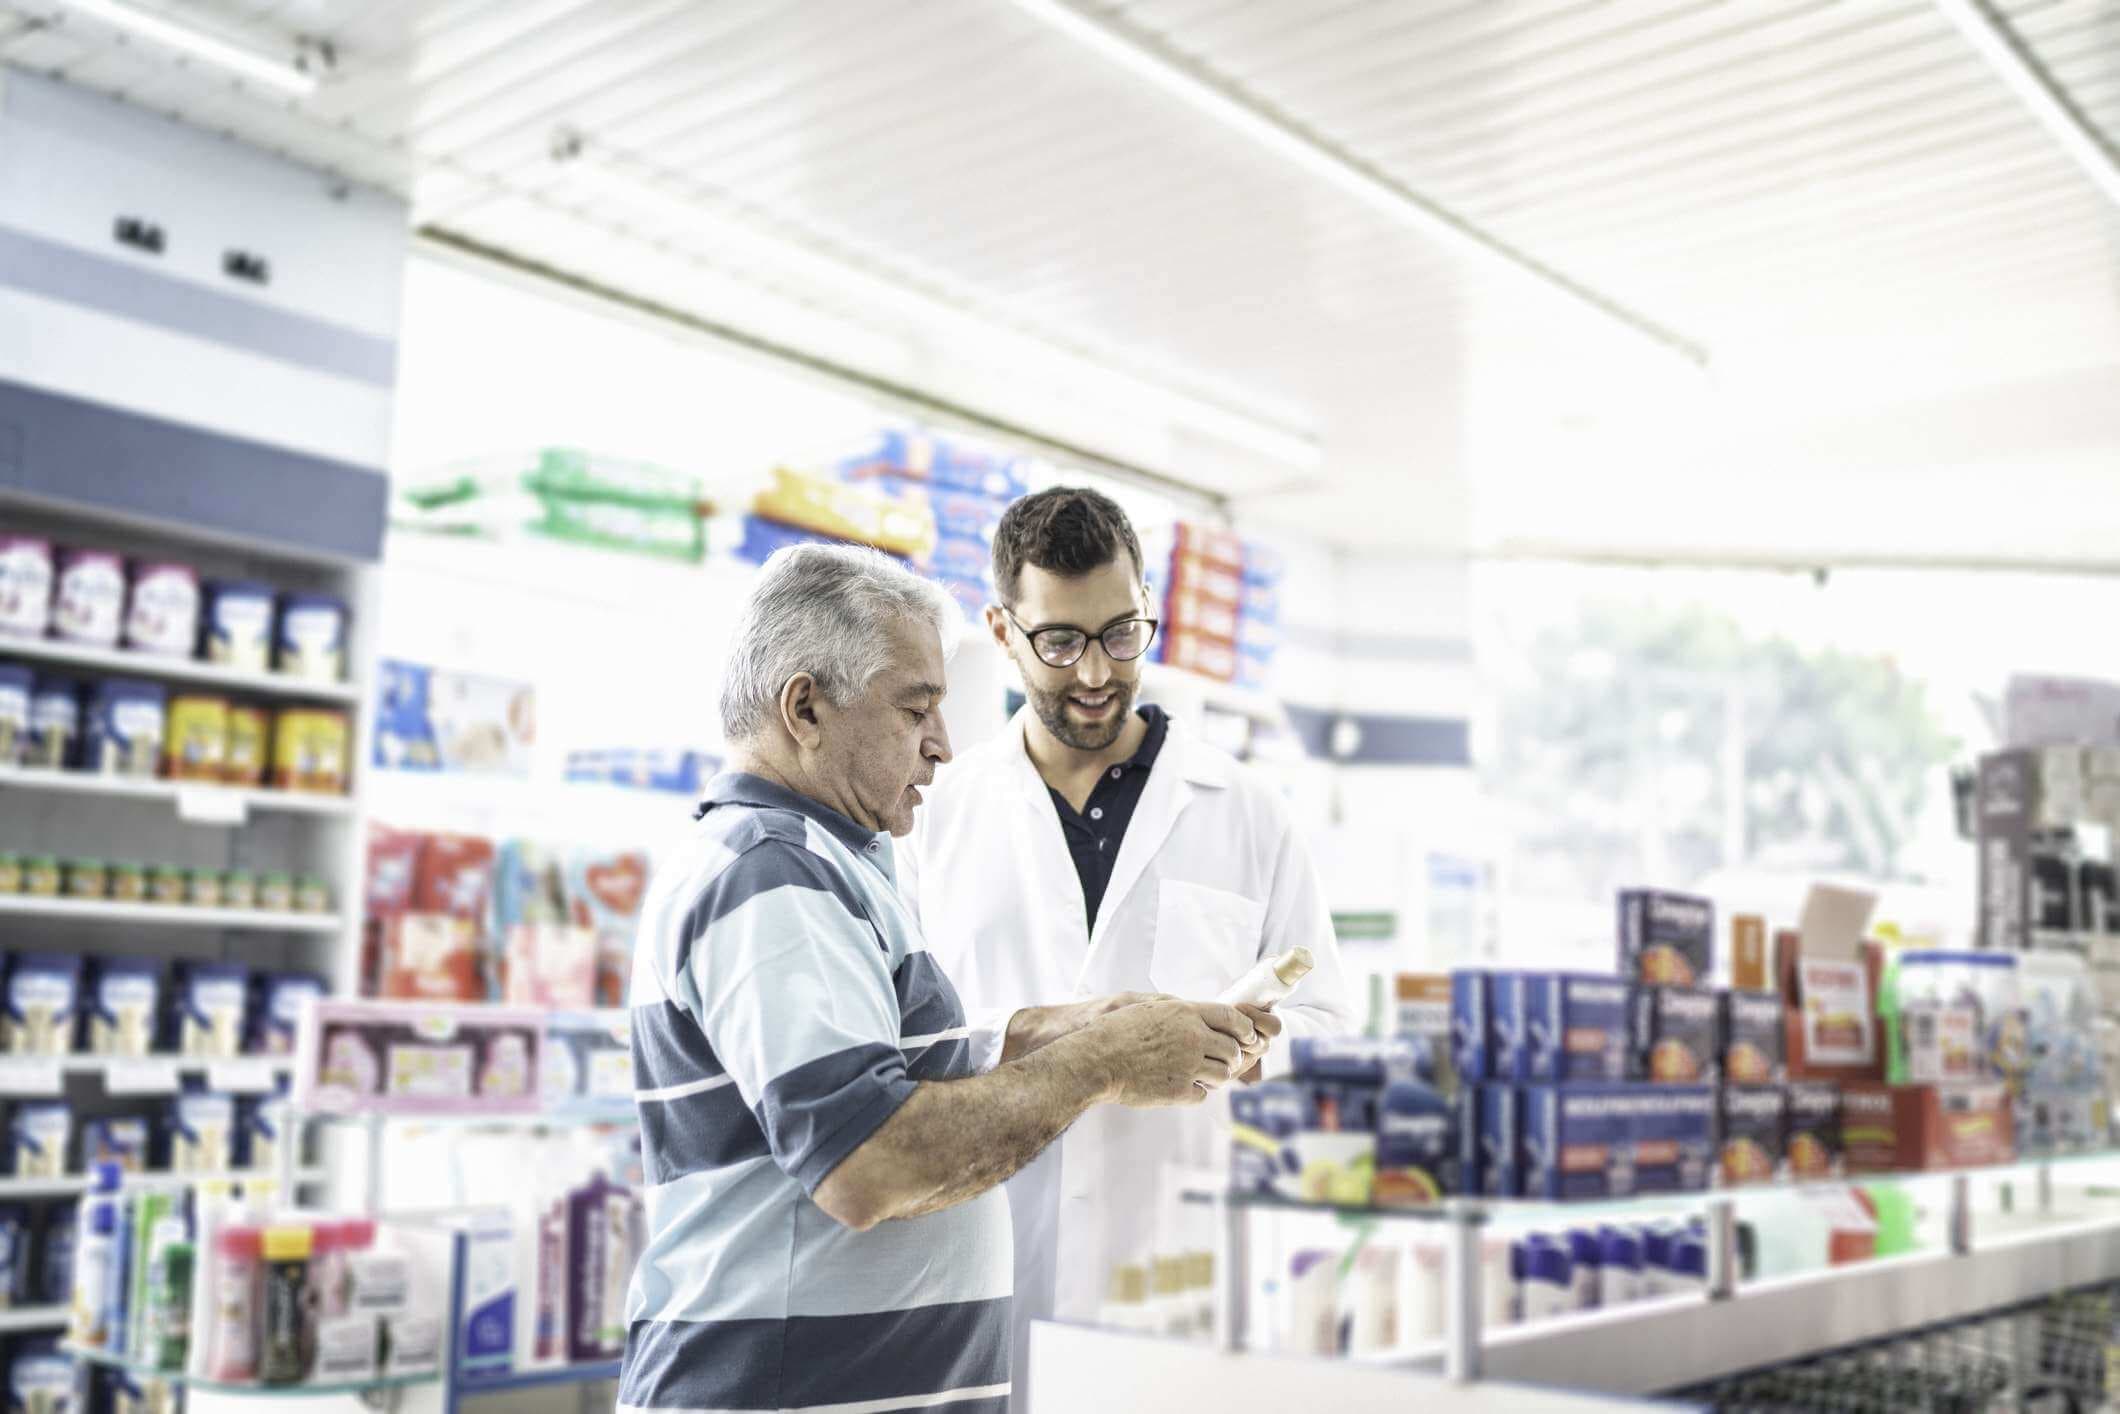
{"type": "Point", "coordinates": [2020, 70]}
{"type": "Point", "coordinates": [1225, 105]}
{"type": "Point", "coordinates": [769, 249]}
{"type": "Point", "coordinates": [210, 49]}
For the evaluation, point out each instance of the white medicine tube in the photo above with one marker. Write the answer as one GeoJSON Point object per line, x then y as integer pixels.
{"type": "Point", "coordinates": [1269, 979]}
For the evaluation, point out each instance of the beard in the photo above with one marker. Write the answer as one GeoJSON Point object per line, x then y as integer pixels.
{"type": "Point", "coordinates": [1051, 708]}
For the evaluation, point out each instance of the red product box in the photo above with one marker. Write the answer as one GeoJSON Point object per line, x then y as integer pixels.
{"type": "Point", "coordinates": [1201, 653]}
{"type": "Point", "coordinates": [1892, 1128]}
{"type": "Point", "coordinates": [1196, 613]}
{"type": "Point", "coordinates": [1203, 579]}
{"type": "Point", "coordinates": [1223, 548]}
{"type": "Point", "coordinates": [455, 876]}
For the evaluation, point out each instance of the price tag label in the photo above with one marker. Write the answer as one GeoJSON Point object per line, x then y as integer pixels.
{"type": "Point", "coordinates": [240, 1077]}
{"type": "Point", "coordinates": [211, 805]}
{"type": "Point", "coordinates": [141, 1077]}
{"type": "Point", "coordinates": [32, 1077]}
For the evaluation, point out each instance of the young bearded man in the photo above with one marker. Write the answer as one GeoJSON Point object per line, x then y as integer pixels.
{"type": "Point", "coordinates": [1098, 847]}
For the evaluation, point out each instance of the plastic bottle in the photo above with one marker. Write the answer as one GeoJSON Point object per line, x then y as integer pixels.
{"type": "Point", "coordinates": [286, 1330]}
{"type": "Point", "coordinates": [1549, 1280]}
{"type": "Point", "coordinates": [1656, 1261]}
{"type": "Point", "coordinates": [93, 1252]}
{"type": "Point", "coordinates": [1269, 979]}
{"type": "Point", "coordinates": [234, 1335]}
{"type": "Point", "coordinates": [1689, 1265]}
{"type": "Point", "coordinates": [165, 1292]}
{"type": "Point", "coordinates": [1621, 1259]}
{"type": "Point", "coordinates": [1587, 1254]}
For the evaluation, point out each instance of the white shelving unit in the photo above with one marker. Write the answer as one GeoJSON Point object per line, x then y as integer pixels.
{"type": "Point", "coordinates": [191, 672]}
{"type": "Point", "coordinates": [73, 1185]}
{"type": "Point", "coordinates": [195, 804]}
{"type": "Point", "coordinates": [32, 1318]}
{"type": "Point", "coordinates": [170, 915]}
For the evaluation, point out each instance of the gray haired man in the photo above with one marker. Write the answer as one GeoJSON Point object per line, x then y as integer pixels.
{"type": "Point", "coordinates": [826, 1226]}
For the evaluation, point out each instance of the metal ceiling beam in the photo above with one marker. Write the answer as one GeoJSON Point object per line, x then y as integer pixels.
{"type": "Point", "coordinates": [1215, 97]}
{"type": "Point", "coordinates": [2037, 89]}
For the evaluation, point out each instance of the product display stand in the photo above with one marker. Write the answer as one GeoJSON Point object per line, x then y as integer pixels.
{"type": "Point", "coordinates": [1665, 1343]}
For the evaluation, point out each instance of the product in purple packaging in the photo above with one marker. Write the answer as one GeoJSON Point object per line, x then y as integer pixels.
{"type": "Point", "coordinates": [595, 1242]}
{"type": "Point", "coordinates": [25, 585]}
{"type": "Point", "coordinates": [162, 609]}
{"type": "Point", "coordinates": [89, 606]}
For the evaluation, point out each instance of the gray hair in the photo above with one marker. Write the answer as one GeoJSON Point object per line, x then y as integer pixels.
{"type": "Point", "coordinates": [825, 610]}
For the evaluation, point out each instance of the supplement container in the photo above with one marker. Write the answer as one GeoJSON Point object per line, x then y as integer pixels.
{"type": "Point", "coordinates": [162, 609]}
{"type": "Point", "coordinates": [90, 604]}
{"type": "Point", "coordinates": [54, 724]}
{"type": "Point", "coordinates": [125, 728]}
{"type": "Point", "coordinates": [236, 626]}
{"type": "Point", "coordinates": [197, 738]}
{"type": "Point", "coordinates": [128, 882]}
{"type": "Point", "coordinates": [25, 585]}
{"type": "Point", "coordinates": [16, 684]}
{"type": "Point", "coordinates": [248, 747]}
{"type": "Point", "coordinates": [86, 879]}
{"type": "Point", "coordinates": [166, 884]}
{"type": "Point", "coordinates": [40, 876]}
{"type": "Point", "coordinates": [311, 642]}
{"type": "Point", "coordinates": [10, 874]}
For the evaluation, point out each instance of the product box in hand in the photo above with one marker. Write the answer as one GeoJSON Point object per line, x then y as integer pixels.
{"type": "Point", "coordinates": [1814, 1145]}
{"type": "Point", "coordinates": [1751, 1134]}
{"type": "Point", "coordinates": [1666, 939]}
{"type": "Point", "coordinates": [1889, 1128]}
{"type": "Point", "coordinates": [1677, 1035]}
{"type": "Point", "coordinates": [1567, 1026]}
{"type": "Point", "coordinates": [1753, 1038]}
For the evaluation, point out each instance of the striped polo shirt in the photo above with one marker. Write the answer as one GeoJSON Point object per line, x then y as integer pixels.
{"type": "Point", "coordinates": [784, 1006]}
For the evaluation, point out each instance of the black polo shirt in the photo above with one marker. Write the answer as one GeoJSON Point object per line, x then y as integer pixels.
{"type": "Point", "coordinates": [1093, 836]}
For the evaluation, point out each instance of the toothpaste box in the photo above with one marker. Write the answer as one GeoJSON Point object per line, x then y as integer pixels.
{"type": "Point", "coordinates": [1813, 1144]}
{"type": "Point", "coordinates": [1751, 1134]}
{"type": "Point", "coordinates": [1677, 1035]}
{"type": "Point", "coordinates": [1578, 1141]}
{"type": "Point", "coordinates": [1576, 1026]}
{"type": "Point", "coordinates": [1752, 1039]}
{"type": "Point", "coordinates": [1666, 939]}
{"type": "Point", "coordinates": [1264, 1120]}
{"type": "Point", "coordinates": [1471, 1016]}
{"type": "Point", "coordinates": [1359, 1060]}
{"type": "Point", "coordinates": [1417, 1145]}
{"type": "Point", "coordinates": [1499, 1156]}
{"type": "Point", "coordinates": [1674, 1138]}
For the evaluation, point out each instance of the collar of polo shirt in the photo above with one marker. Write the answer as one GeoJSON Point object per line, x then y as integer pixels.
{"type": "Point", "coordinates": [743, 788]}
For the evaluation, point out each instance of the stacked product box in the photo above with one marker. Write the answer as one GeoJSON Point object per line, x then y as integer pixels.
{"type": "Point", "coordinates": [1359, 1121]}
{"type": "Point", "coordinates": [963, 489]}
{"type": "Point", "coordinates": [1221, 604]}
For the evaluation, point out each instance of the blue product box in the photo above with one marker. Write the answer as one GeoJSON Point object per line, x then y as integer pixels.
{"type": "Point", "coordinates": [1674, 1142]}
{"type": "Point", "coordinates": [953, 558]}
{"type": "Point", "coordinates": [1264, 1121]}
{"type": "Point", "coordinates": [1677, 1035]}
{"type": "Point", "coordinates": [1500, 1154]}
{"type": "Point", "coordinates": [1578, 1141]}
{"type": "Point", "coordinates": [404, 720]}
{"type": "Point", "coordinates": [1666, 939]}
{"type": "Point", "coordinates": [1360, 1060]}
{"type": "Point", "coordinates": [923, 457]}
{"type": "Point", "coordinates": [1753, 1038]}
{"type": "Point", "coordinates": [1577, 1026]}
{"type": "Point", "coordinates": [1471, 1017]}
{"type": "Point", "coordinates": [1417, 1145]}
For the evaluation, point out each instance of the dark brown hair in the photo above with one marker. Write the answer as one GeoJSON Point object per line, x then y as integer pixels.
{"type": "Point", "coordinates": [1068, 530]}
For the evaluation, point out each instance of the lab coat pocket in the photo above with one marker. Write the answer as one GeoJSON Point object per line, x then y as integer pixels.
{"type": "Point", "coordinates": [1205, 938]}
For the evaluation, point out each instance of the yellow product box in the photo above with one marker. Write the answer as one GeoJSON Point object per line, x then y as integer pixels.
{"type": "Point", "coordinates": [848, 512]}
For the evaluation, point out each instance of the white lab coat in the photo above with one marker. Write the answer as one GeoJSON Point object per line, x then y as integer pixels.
{"type": "Point", "coordinates": [1211, 876]}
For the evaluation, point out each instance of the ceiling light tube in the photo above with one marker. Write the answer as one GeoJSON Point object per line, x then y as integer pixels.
{"type": "Point", "coordinates": [2020, 70]}
{"type": "Point", "coordinates": [1219, 101]}
{"type": "Point", "coordinates": [236, 59]}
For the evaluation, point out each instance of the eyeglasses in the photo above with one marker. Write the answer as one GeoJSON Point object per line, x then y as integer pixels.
{"type": "Point", "coordinates": [1062, 645]}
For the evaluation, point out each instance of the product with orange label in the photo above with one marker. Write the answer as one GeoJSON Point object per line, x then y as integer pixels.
{"type": "Point", "coordinates": [847, 513]}
{"type": "Point", "coordinates": [1201, 653]}
{"type": "Point", "coordinates": [1192, 578]}
{"type": "Point", "coordinates": [1749, 971]}
{"type": "Point", "coordinates": [196, 745]}
{"type": "Point", "coordinates": [1814, 1147]}
{"type": "Point", "coordinates": [1666, 939]}
{"type": "Point", "coordinates": [1677, 1035]}
{"type": "Point", "coordinates": [1751, 1134]}
{"type": "Point", "coordinates": [1752, 1038]}
{"type": "Point", "coordinates": [1834, 1026]}
{"type": "Point", "coordinates": [1222, 548]}
{"type": "Point", "coordinates": [310, 750]}
{"type": "Point", "coordinates": [1889, 1128]}
{"type": "Point", "coordinates": [248, 746]}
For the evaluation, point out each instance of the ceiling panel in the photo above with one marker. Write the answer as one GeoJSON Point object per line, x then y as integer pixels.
{"type": "Point", "coordinates": [1783, 181]}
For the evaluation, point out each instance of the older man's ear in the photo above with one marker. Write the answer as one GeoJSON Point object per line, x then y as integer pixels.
{"type": "Point", "coordinates": [798, 709]}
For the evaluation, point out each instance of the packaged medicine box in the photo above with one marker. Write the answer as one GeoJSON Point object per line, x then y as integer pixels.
{"type": "Point", "coordinates": [1471, 992]}
{"type": "Point", "coordinates": [1751, 1134]}
{"type": "Point", "coordinates": [1417, 1146]}
{"type": "Point", "coordinates": [1500, 1150]}
{"type": "Point", "coordinates": [1422, 1016]}
{"type": "Point", "coordinates": [1752, 1039]}
{"type": "Point", "coordinates": [1600, 1141]}
{"type": "Point", "coordinates": [1889, 1128]}
{"type": "Point", "coordinates": [1666, 939]}
{"type": "Point", "coordinates": [1677, 1035]}
{"type": "Point", "coordinates": [1264, 1120]}
{"type": "Point", "coordinates": [1813, 1146]}
{"type": "Point", "coordinates": [1576, 1027]}
{"type": "Point", "coordinates": [1674, 1138]}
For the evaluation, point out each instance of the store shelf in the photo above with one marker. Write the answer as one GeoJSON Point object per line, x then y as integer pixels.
{"type": "Point", "coordinates": [169, 915]}
{"type": "Point", "coordinates": [226, 806]}
{"type": "Point", "coordinates": [190, 671]}
{"type": "Point", "coordinates": [1165, 682]}
{"type": "Point", "coordinates": [249, 1388]}
{"type": "Point", "coordinates": [33, 1318]}
{"type": "Point", "coordinates": [72, 1184]}
{"type": "Point", "coordinates": [1481, 1209]}
{"type": "Point", "coordinates": [470, 1383]}
{"type": "Point", "coordinates": [139, 1075]}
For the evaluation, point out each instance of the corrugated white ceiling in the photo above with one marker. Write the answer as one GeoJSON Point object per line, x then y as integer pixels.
{"type": "Point", "coordinates": [1803, 186]}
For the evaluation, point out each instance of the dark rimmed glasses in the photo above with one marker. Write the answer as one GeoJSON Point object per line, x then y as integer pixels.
{"type": "Point", "coordinates": [1062, 645]}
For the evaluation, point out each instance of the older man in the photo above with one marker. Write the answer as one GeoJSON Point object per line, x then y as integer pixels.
{"type": "Point", "coordinates": [826, 1226]}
